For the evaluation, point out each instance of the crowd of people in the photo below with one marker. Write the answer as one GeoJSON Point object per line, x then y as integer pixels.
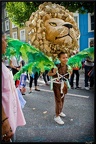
{"type": "Point", "coordinates": [88, 66]}
{"type": "Point", "coordinates": [12, 91]}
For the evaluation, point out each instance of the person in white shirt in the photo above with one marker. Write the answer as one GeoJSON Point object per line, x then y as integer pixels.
{"type": "Point", "coordinates": [15, 65]}
{"type": "Point", "coordinates": [88, 65]}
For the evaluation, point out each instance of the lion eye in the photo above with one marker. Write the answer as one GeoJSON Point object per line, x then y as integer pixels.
{"type": "Point", "coordinates": [53, 24]}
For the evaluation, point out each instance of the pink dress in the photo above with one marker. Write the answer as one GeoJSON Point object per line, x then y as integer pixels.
{"type": "Point", "coordinates": [10, 100]}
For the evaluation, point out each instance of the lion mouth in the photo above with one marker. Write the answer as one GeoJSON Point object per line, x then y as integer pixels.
{"type": "Point", "coordinates": [68, 26]}
{"type": "Point", "coordinates": [60, 37]}
{"type": "Point", "coordinates": [63, 36]}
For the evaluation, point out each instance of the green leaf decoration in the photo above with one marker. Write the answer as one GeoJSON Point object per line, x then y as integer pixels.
{"type": "Point", "coordinates": [36, 60]}
{"type": "Point", "coordinates": [75, 61]}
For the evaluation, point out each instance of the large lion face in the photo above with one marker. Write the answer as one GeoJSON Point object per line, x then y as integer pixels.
{"type": "Point", "coordinates": [59, 32]}
{"type": "Point", "coordinates": [52, 29]}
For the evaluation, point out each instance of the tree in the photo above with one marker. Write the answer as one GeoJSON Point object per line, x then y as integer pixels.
{"type": "Point", "coordinates": [20, 12]}
{"type": "Point", "coordinates": [81, 7]}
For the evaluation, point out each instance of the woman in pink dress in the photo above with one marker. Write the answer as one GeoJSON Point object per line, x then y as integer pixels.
{"type": "Point", "coordinates": [10, 102]}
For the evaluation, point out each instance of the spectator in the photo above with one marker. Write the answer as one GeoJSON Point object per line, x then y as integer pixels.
{"type": "Point", "coordinates": [31, 81]}
{"type": "Point", "coordinates": [33, 77]}
{"type": "Point", "coordinates": [91, 77]}
{"type": "Point", "coordinates": [16, 66]}
{"type": "Point", "coordinates": [22, 85]}
{"type": "Point", "coordinates": [46, 77]}
{"type": "Point", "coordinates": [12, 115]}
{"type": "Point", "coordinates": [88, 66]}
{"type": "Point", "coordinates": [75, 72]}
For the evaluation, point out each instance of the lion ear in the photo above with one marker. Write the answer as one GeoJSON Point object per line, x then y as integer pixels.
{"type": "Point", "coordinates": [46, 17]}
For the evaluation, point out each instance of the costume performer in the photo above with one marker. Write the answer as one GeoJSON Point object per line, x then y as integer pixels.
{"type": "Point", "coordinates": [60, 86]}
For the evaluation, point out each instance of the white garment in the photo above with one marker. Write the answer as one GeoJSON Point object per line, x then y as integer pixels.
{"type": "Point", "coordinates": [89, 63]}
{"type": "Point", "coordinates": [15, 62]}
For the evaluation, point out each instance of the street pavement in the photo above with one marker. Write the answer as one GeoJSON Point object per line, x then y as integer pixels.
{"type": "Point", "coordinates": [39, 112]}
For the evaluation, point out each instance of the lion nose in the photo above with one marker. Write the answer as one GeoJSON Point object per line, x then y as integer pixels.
{"type": "Point", "coordinates": [68, 25]}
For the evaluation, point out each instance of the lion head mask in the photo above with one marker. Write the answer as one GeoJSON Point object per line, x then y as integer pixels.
{"type": "Point", "coordinates": [52, 29]}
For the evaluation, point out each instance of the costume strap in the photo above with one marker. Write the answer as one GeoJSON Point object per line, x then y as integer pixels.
{"type": "Point", "coordinates": [60, 79]}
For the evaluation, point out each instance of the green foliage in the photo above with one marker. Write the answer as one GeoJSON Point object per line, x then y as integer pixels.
{"type": "Point", "coordinates": [20, 12]}
{"type": "Point", "coordinates": [81, 7]}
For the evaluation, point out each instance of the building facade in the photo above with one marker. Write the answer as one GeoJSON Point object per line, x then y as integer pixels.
{"type": "Point", "coordinates": [10, 29]}
{"type": "Point", "coordinates": [5, 20]}
{"type": "Point", "coordinates": [86, 26]}
{"type": "Point", "coordinates": [86, 23]}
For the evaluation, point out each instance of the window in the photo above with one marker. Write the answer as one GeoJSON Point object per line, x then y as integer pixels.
{"type": "Point", "coordinates": [91, 42]}
{"type": "Point", "coordinates": [5, 13]}
{"type": "Point", "coordinates": [90, 22]}
{"type": "Point", "coordinates": [14, 35]}
{"type": "Point", "coordinates": [13, 25]}
{"type": "Point", "coordinates": [6, 25]}
{"type": "Point", "coordinates": [22, 35]}
{"type": "Point", "coordinates": [76, 18]}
